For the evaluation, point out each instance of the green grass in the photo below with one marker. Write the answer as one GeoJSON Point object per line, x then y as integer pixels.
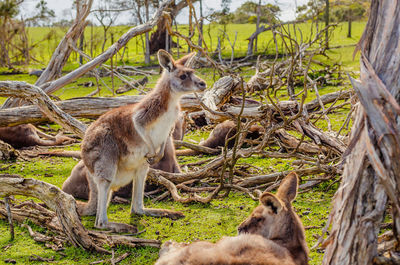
{"type": "Point", "coordinates": [202, 222]}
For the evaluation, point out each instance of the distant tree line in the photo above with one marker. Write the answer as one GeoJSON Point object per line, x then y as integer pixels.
{"type": "Point", "coordinates": [17, 48]}
{"type": "Point", "coordinates": [14, 43]}
{"type": "Point", "coordinates": [339, 11]}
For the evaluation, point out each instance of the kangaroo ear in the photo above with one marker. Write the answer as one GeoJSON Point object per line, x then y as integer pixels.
{"type": "Point", "coordinates": [166, 61]}
{"type": "Point", "coordinates": [288, 188]}
{"type": "Point", "coordinates": [186, 60]}
{"type": "Point", "coordinates": [270, 201]}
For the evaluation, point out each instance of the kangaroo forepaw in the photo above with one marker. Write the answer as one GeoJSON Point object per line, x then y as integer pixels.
{"type": "Point", "coordinates": [118, 227]}
{"type": "Point", "coordinates": [152, 159]}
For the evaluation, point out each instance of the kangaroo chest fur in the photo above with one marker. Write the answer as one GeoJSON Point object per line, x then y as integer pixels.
{"type": "Point", "coordinates": [159, 130]}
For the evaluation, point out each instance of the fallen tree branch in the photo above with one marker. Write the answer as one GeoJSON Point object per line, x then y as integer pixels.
{"type": "Point", "coordinates": [219, 94]}
{"type": "Point", "coordinates": [85, 107]}
{"type": "Point", "coordinates": [35, 95]}
{"type": "Point", "coordinates": [198, 148]}
{"type": "Point", "coordinates": [270, 178]}
{"type": "Point", "coordinates": [63, 219]}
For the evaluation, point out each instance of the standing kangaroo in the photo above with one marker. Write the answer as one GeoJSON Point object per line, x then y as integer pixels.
{"type": "Point", "coordinates": [77, 183]}
{"type": "Point", "coordinates": [120, 145]}
{"type": "Point", "coordinates": [272, 235]}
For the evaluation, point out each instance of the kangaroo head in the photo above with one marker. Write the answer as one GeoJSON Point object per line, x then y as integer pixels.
{"type": "Point", "coordinates": [275, 218]}
{"type": "Point", "coordinates": [182, 78]}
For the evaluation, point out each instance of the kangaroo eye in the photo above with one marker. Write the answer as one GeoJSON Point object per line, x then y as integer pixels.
{"type": "Point", "coordinates": [182, 77]}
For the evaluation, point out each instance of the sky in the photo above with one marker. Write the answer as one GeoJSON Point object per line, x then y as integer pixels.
{"type": "Point", "coordinates": [63, 8]}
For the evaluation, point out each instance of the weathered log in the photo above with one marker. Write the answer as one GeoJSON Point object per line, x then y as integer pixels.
{"type": "Point", "coordinates": [199, 148]}
{"type": "Point", "coordinates": [328, 98]}
{"type": "Point", "coordinates": [372, 168]}
{"type": "Point", "coordinates": [219, 94]}
{"type": "Point", "coordinates": [318, 136]}
{"type": "Point", "coordinates": [292, 142]}
{"type": "Point", "coordinates": [85, 107]}
{"type": "Point", "coordinates": [59, 153]}
{"type": "Point", "coordinates": [89, 107]}
{"type": "Point", "coordinates": [35, 95]}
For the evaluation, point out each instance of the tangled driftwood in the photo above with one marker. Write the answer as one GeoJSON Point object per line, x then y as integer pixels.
{"type": "Point", "coordinates": [60, 216]}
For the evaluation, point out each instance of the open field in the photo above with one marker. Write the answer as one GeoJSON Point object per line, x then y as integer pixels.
{"type": "Point", "coordinates": [45, 40]}
{"type": "Point", "coordinates": [202, 222]}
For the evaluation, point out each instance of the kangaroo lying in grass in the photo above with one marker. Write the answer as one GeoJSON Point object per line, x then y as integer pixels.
{"type": "Point", "coordinates": [77, 184]}
{"type": "Point", "coordinates": [119, 146]}
{"type": "Point", "coordinates": [26, 135]}
{"type": "Point", "coordinates": [221, 132]}
{"type": "Point", "coordinates": [272, 235]}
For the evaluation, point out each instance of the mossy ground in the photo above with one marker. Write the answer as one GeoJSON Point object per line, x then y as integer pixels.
{"type": "Point", "coordinates": [202, 222]}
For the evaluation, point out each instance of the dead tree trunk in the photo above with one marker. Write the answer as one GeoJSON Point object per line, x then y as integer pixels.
{"type": "Point", "coordinates": [372, 168]}
{"type": "Point", "coordinates": [158, 38]}
{"type": "Point", "coordinates": [326, 23]}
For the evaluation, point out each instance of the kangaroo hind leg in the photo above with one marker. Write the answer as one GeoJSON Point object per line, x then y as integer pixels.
{"type": "Point", "coordinates": [137, 206]}
{"type": "Point", "coordinates": [104, 173]}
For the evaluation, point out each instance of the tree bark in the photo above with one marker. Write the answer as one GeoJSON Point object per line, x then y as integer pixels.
{"type": "Point", "coordinates": [372, 168]}
{"type": "Point", "coordinates": [349, 27]}
{"type": "Point", "coordinates": [219, 94]}
{"type": "Point", "coordinates": [147, 41]}
{"type": "Point", "coordinates": [326, 23]}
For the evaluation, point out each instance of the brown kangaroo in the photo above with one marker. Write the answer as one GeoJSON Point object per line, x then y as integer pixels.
{"type": "Point", "coordinates": [272, 235]}
{"type": "Point", "coordinates": [26, 135]}
{"type": "Point", "coordinates": [77, 184]}
{"type": "Point", "coordinates": [217, 137]}
{"type": "Point", "coordinates": [119, 146]}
